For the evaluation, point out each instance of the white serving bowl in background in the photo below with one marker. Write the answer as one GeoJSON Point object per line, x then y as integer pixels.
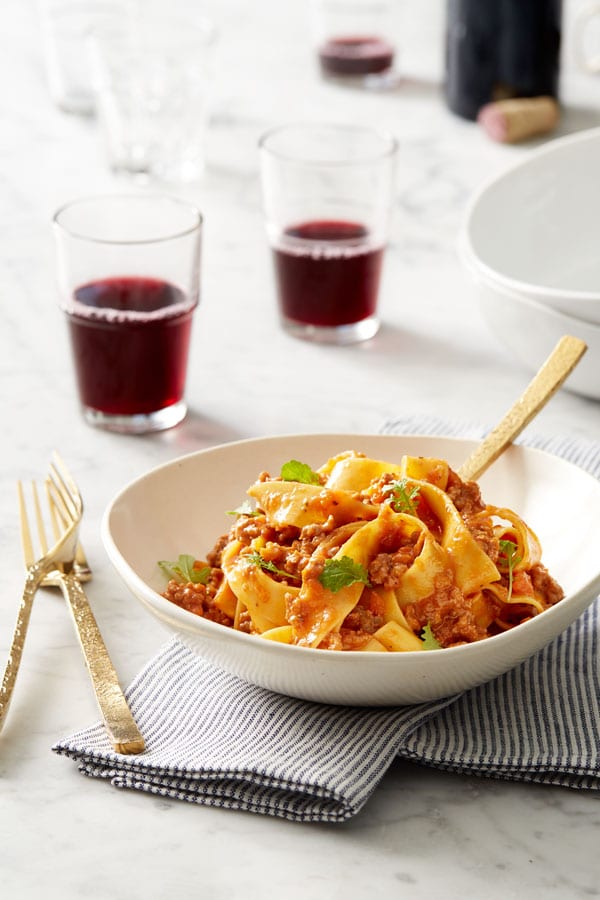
{"type": "Point", "coordinates": [531, 330]}
{"type": "Point", "coordinates": [535, 228]}
{"type": "Point", "coordinates": [180, 507]}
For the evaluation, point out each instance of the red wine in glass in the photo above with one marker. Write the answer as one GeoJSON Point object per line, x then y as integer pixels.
{"type": "Point", "coordinates": [130, 338]}
{"type": "Point", "coordinates": [327, 273]}
{"type": "Point", "coordinates": [352, 56]}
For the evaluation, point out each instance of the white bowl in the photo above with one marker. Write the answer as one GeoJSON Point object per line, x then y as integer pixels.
{"type": "Point", "coordinates": [536, 228]}
{"type": "Point", "coordinates": [531, 330]}
{"type": "Point", "coordinates": [180, 508]}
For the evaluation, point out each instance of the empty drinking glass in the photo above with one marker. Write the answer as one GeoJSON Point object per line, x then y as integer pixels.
{"type": "Point", "coordinates": [152, 80]}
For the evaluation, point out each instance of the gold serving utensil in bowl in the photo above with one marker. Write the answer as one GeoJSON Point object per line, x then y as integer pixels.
{"type": "Point", "coordinates": [543, 386]}
{"type": "Point", "coordinates": [65, 566]}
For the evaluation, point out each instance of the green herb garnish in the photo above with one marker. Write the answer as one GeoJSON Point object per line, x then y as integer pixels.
{"type": "Point", "coordinates": [257, 560]}
{"type": "Point", "coordinates": [183, 570]}
{"type": "Point", "coordinates": [299, 471]}
{"type": "Point", "coordinates": [340, 573]}
{"type": "Point", "coordinates": [430, 642]}
{"type": "Point", "coordinates": [403, 498]}
{"type": "Point", "coordinates": [244, 509]}
{"type": "Point", "coordinates": [508, 549]}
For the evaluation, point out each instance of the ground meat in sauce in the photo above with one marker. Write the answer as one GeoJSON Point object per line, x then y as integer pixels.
{"type": "Point", "coordinates": [363, 620]}
{"type": "Point", "coordinates": [465, 495]}
{"type": "Point", "coordinates": [482, 530]}
{"type": "Point", "coordinates": [544, 584]}
{"type": "Point", "coordinates": [248, 528]}
{"type": "Point", "coordinates": [387, 569]}
{"type": "Point", "coordinates": [198, 599]}
{"type": "Point", "coordinates": [213, 557]}
{"type": "Point", "coordinates": [245, 623]}
{"type": "Point", "coordinates": [357, 628]}
{"type": "Point", "coordinates": [447, 612]}
{"type": "Point", "coordinates": [378, 491]}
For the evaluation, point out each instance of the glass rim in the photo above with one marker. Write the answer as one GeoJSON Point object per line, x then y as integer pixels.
{"type": "Point", "coordinates": [388, 151]}
{"type": "Point", "coordinates": [190, 25]}
{"type": "Point", "coordinates": [98, 198]}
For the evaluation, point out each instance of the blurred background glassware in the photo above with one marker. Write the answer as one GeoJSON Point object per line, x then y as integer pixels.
{"type": "Point", "coordinates": [586, 38]}
{"type": "Point", "coordinates": [128, 277]}
{"type": "Point", "coordinates": [64, 26]}
{"type": "Point", "coordinates": [356, 40]}
{"type": "Point", "coordinates": [152, 80]}
{"type": "Point", "coordinates": [496, 50]}
{"type": "Point", "coordinates": [328, 192]}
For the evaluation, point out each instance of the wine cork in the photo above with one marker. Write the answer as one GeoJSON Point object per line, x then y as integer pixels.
{"type": "Point", "coordinates": [519, 118]}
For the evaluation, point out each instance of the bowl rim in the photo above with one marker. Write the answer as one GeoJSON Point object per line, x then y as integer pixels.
{"type": "Point", "coordinates": [213, 629]}
{"type": "Point", "coordinates": [465, 242]}
{"type": "Point", "coordinates": [566, 321]}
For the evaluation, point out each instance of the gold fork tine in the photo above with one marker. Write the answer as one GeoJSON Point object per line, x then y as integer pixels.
{"type": "Point", "coordinates": [53, 510]}
{"type": "Point", "coordinates": [83, 567]}
{"type": "Point", "coordinates": [67, 477]}
{"type": "Point", "coordinates": [26, 543]}
{"type": "Point", "coordinates": [61, 499]}
{"type": "Point", "coordinates": [40, 521]}
{"type": "Point", "coordinates": [65, 484]}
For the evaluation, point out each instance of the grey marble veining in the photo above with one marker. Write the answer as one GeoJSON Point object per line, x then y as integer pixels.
{"type": "Point", "coordinates": [423, 834]}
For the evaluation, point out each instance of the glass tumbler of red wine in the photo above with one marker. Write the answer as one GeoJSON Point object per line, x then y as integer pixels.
{"type": "Point", "coordinates": [328, 193]}
{"type": "Point", "coordinates": [355, 40]}
{"type": "Point", "coordinates": [128, 279]}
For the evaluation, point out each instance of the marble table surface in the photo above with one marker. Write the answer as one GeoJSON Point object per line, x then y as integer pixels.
{"type": "Point", "coordinates": [424, 832]}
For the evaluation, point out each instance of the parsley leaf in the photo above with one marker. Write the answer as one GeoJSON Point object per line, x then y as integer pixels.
{"type": "Point", "coordinates": [183, 570]}
{"type": "Point", "coordinates": [430, 642]}
{"type": "Point", "coordinates": [299, 471]}
{"type": "Point", "coordinates": [403, 499]}
{"type": "Point", "coordinates": [257, 560]}
{"type": "Point", "coordinates": [508, 549]}
{"type": "Point", "coordinates": [340, 573]}
{"type": "Point", "coordinates": [245, 509]}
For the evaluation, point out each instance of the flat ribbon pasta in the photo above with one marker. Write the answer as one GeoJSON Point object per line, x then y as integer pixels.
{"type": "Point", "coordinates": [528, 550]}
{"type": "Point", "coordinates": [419, 581]}
{"type": "Point", "coordinates": [292, 503]}
{"type": "Point", "coordinates": [425, 468]}
{"type": "Point", "coordinates": [473, 568]}
{"type": "Point", "coordinates": [356, 473]}
{"type": "Point", "coordinates": [263, 597]}
{"type": "Point", "coordinates": [316, 610]}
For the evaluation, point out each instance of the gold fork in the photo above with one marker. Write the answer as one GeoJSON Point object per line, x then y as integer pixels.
{"type": "Point", "coordinates": [68, 571]}
{"type": "Point", "coordinates": [36, 572]}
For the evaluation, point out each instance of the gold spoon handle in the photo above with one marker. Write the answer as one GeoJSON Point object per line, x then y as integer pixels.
{"type": "Point", "coordinates": [552, 374]}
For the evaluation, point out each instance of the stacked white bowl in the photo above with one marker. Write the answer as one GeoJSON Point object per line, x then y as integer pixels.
{"type": "Point", "coordinates": [531, 242]}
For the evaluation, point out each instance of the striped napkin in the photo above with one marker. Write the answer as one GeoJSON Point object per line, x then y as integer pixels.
{"type": "Point", "coordinates": [215, 740]}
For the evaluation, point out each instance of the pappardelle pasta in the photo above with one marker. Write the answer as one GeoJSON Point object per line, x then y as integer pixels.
{"type": "Point", "coordinates": [368, 555]}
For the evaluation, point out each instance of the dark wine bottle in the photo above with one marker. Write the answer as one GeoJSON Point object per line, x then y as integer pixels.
{"type": "Point", "coordinates": [501, 48]}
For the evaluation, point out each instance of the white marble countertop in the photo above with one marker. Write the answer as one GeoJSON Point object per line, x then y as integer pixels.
{"type": "Point", "coordinates": [423, 832]}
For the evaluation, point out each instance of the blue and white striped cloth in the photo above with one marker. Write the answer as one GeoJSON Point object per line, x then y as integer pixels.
{"type": "Point", "coordinates": [213, 739]}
